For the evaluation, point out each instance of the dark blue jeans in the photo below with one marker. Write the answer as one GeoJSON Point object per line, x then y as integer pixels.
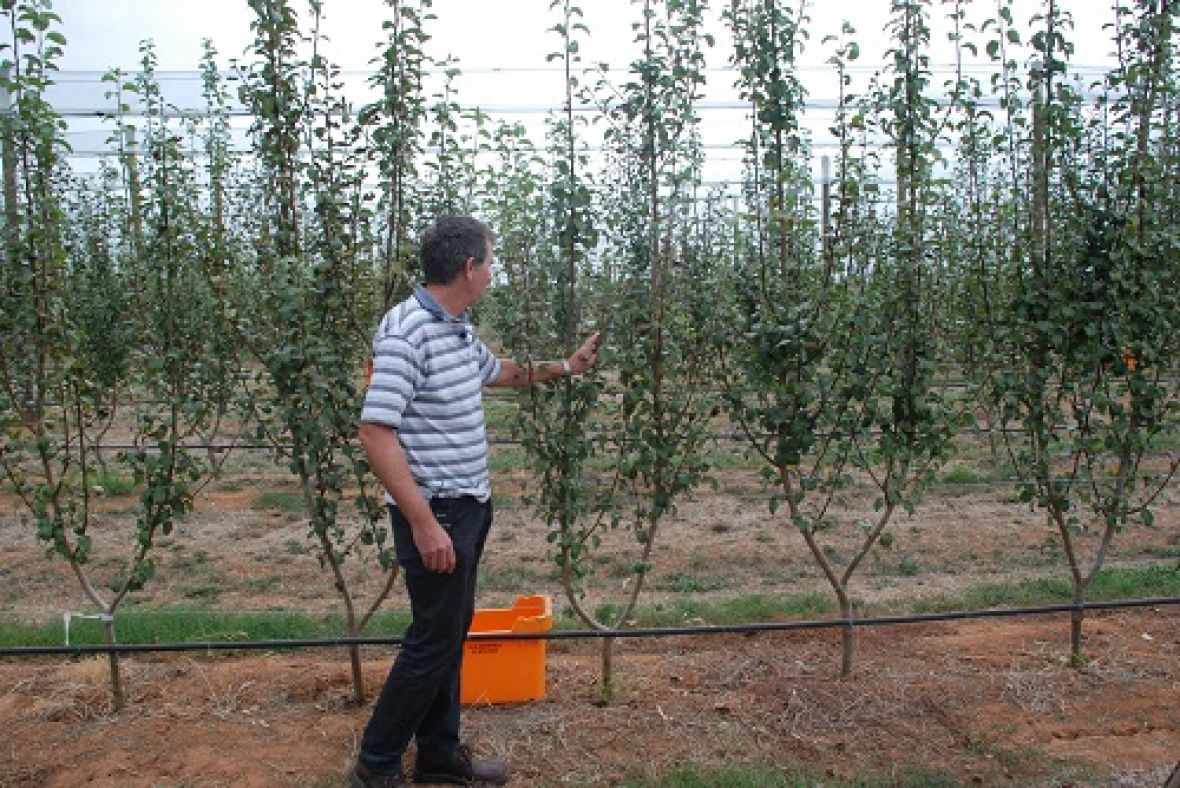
{"type": "Point", "coordinates": [421, 695]}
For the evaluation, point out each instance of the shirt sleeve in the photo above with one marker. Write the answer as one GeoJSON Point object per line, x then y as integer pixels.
{"type": "Point", "coordinates": [397, 375]}
{"type": "Point", "coordinates": [489, 365]}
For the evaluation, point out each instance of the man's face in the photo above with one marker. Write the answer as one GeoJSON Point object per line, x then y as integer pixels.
{"type": "Point", "coordinates": [479, 273]}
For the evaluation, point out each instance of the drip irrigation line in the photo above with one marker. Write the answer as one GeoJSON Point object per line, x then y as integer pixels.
{"type": "Point", "coordinates": [591, 634]}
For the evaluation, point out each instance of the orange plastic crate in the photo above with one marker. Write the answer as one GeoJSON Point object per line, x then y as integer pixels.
{"type": "Point", "coordinates": [506, 671]}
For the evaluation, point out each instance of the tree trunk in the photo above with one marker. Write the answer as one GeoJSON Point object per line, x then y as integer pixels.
{"type": "Point", "coordinates": [1076, 658]}
{"type": "Point", "coordinates": [848, 645]}
{"type": "Point", "coordinates": [358, 679]}
{"type": "Point", "coordinates": [608, 681]}
{"type": "Point", "coordinates": [118, 695]}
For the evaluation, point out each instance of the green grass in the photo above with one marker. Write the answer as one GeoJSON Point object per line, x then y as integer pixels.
{"type": "Point", "coordinates": [193, 625]}
{"type": "Point", "coordinates": [979, 474]}
{"type": "Point", "coordinates": [729, 459]}
{"type": "Point", "coordinates": [190, 561]}
{"type": "Point", "coordinates": [509, 578]}
{"type": "Point", "coordinates": [689, 583]}
{"type": "Point", "coordinates": [1170, 551]}
{"type": "Point", "coordinates": [198, 624]}
{"type": "Point", "coordinates": [1146, 581]}
{"type": "Point", "coordinates": [295, 547]}
{"type": "Point", "coordinates": [280, 500]}
{"type": "Point", "coordinates": [772, 777]}
{"type": "Point", "coordinates": [115, 484]}
{"type": "Point", "coordinates": [1165, 441]}
{"type": "Point", "coordinates": [503, 459]}
{"type": "Point", "coordinates": [503, 502]}
{"type": "Point", "coordinates": [207, 592]}
{"type": "Point", "coordinates": [738, 610]}
{"type": "Point", "coordinates": [906, 566]}
{"type": "Point", "coordinates": [732, 777]}
{"type": "Point", "coordinates": [1108, 585]}
{"type": "Point", "coordinates": [963, 474]}
{"type": "Point", "coordinates": [499, 411]}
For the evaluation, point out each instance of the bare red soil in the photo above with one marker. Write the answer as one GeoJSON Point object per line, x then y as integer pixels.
{"type": "Point", "coordinates": [987, 702]}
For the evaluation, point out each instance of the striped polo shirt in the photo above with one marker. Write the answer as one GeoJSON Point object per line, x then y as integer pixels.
{"type": "Point", "coordinates": [428, 372]}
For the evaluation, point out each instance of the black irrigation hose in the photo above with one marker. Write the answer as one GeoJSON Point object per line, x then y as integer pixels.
{"type": "Point", "coordinates": [582, 634]}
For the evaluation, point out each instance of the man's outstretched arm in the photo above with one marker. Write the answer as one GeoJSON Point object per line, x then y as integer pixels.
{"type": "Point", "coordinates": [513, 373]}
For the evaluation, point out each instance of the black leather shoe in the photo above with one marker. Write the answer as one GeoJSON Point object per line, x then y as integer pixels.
{"type": "Point", "coordinates": [359, 776]}
{"type": "Point", "coordinates": [459, 768]}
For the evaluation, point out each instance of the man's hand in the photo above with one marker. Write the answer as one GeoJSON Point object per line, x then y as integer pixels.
{"type": "Point", "coordinates": [435, 547]}
{"type": "Point", "coordinates": [514, 374]}
{"type": "Point", "coordinates": [388, 459]}
{"type": "Point", "coordinates": [586, 356]}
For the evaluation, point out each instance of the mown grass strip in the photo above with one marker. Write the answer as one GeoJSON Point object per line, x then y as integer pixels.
{"type": "Point", "coordinates": [197, 625]}
{"type": "Point", "coordinates": [1032, 762]}
{"type": "Point", "coordinates": [771, 777]}
{"type": "Point", "coordinates": [194, 625]}
{"type": "Point", "coordinates": [744, 609]}
{"type": "Point", "coordinates": [1108, 586]}
{"type": "Point", "coordinates": [278, 500]}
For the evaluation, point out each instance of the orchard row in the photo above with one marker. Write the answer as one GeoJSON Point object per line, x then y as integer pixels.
{"type": "Point", "coordinates": [1016, 229]}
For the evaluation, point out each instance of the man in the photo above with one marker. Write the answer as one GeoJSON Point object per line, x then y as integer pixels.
{"type": "Point", "coordinates": [423, 429]}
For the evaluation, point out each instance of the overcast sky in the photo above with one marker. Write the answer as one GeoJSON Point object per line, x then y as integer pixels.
{"type": "Point", "coordinates": [500, 44]}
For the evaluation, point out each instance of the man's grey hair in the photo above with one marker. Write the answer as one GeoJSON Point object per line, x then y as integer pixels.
{"type": "Point", "coordinates": [449, 243]}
